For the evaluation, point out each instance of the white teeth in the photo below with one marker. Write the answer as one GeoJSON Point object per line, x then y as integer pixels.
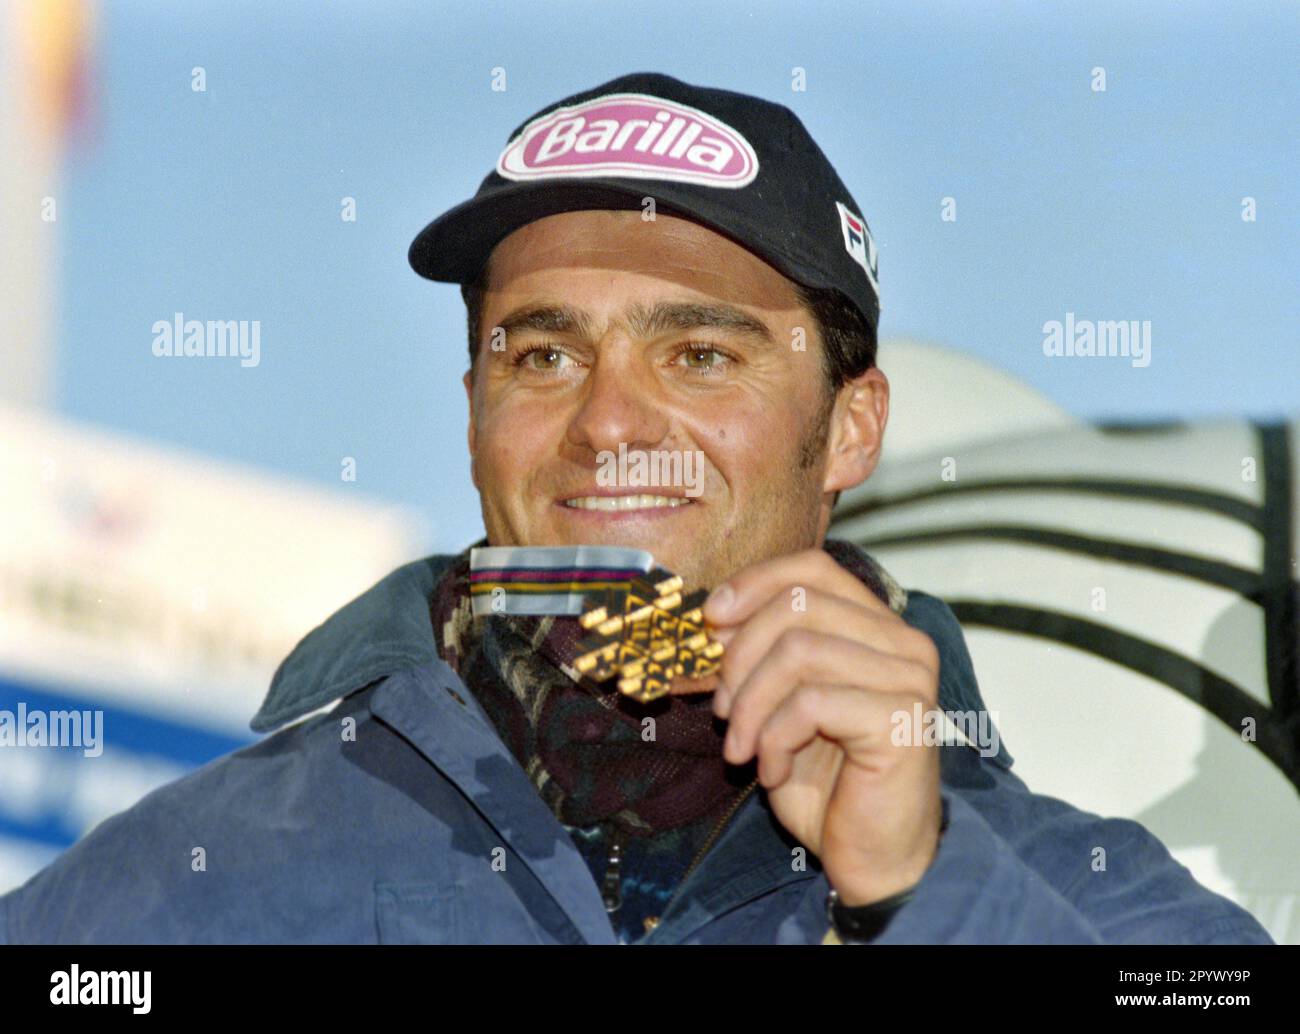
{"type": "Point", "coordinates": [613, 503]}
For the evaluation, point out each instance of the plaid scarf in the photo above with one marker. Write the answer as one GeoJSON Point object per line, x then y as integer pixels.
{"type": "Point", "coordinates": [589, 750]}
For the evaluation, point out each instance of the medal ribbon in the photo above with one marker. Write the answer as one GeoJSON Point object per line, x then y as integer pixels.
{"type": "Point", "coordinates": [550, 579]}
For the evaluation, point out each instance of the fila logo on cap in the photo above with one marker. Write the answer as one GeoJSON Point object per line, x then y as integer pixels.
{"type": "Point", "coordinates": [860, 245]}
{"type": "Point", "coordinates": [630, 134]}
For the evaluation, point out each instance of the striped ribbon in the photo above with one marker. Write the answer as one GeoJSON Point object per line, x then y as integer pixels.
{"type": "Point", "coordinates": [549, 579]}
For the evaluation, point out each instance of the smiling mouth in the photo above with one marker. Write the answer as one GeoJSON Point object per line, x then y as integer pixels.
{"type": "Point", "coordinates": [625, 503]}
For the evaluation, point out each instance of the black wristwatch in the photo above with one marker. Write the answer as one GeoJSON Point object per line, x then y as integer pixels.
{"type": "Point", "coordinates": [863, 924]}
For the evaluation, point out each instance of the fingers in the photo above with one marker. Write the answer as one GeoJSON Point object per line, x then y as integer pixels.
{"type": "Point", "coordinates": [859, 721]}
{"type": "Point", "coordinates": [749, 589]}
{"type": "Point", "coordinates": [747, 644]}
{"type": "Point", "coordinates": [801, 658]}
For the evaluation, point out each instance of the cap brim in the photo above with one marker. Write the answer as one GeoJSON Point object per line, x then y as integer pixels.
{"type": "Point", "coordinates": [455, 246]}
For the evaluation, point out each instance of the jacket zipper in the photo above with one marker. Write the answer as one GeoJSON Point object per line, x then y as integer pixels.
{"type": "Point", "coordinates": [611, 889]}
{"type": "Point", "coordinates": [612, 886]}
{"type": "Point", "coordinates": [713, 839]}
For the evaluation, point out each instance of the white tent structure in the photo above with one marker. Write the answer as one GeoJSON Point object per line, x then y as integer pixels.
{"type": "Point", "coordinates": [1130, 600]}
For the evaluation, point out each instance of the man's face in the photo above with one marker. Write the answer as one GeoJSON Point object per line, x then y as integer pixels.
{"type": "Point", "coordinates": [667, 339]}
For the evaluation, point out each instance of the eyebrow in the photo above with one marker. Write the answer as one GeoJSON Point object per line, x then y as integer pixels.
{"type": "Point", "coordinates": [641, 320]}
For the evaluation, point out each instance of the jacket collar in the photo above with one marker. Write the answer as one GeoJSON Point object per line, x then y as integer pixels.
{"type": "Point", "coordinates": [387, 629]}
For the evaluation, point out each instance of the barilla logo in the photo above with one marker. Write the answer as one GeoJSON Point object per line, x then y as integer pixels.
{"type": "Point", "coordinates": [631, 134]}
{"type": "Point", "coordinates": [860, 245]}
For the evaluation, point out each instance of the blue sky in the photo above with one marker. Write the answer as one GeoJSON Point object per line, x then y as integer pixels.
{"type": "Point", "coordinates": [225, 204]}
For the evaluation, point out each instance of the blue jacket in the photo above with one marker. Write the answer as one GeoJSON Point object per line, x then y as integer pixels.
{"type": "Point", "coordinates": [424, 828]}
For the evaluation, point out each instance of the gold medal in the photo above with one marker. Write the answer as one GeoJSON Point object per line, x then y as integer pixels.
{"type": "Point", "coordinates": [650, 637]}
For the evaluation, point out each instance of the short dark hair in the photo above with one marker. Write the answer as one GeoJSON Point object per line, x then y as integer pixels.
{"type": "Point", "coordinates": [848, 345]}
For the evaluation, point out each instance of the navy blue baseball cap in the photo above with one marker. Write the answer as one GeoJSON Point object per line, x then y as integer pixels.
{"type": "Point", "coordinates": [739, 165]}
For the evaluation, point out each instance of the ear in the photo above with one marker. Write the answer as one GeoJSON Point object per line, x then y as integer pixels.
{"type": "Point", "coordinates": [857, 430]}
{"type": "Point", "coordinates": [468, 381]}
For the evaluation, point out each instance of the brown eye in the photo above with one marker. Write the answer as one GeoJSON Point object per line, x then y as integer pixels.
{"type": "Point", "coordinates": [703, 358]}
{"type": "Point", "coordinates": [543, 358]}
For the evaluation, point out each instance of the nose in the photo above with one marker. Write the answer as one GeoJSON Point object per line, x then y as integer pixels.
{"type": "Point", "coordinates": [618, 405]}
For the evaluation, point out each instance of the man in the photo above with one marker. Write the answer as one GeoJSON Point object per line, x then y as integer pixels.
{"type": "Point", "coordinates": [652, 270]}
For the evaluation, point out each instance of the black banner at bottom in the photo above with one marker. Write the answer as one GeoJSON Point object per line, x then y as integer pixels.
{"type": "Point", "coordinates": [338, 983]}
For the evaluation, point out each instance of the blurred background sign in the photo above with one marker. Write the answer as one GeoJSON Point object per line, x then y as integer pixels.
{"type": "Point", "coordinates": [162, 588]}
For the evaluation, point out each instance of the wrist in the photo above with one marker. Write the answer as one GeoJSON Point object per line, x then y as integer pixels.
{"type": "Point", "coordinates": [863, 923]}
{"type": "Point", "coordinates": [866, 885]}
